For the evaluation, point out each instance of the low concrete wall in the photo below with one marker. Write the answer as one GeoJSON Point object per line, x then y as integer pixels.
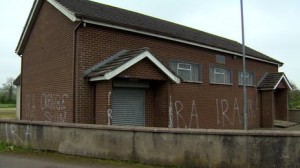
{"type": "Point", "coordinates": [180, 147]}
{"type": "Point", "coordinates": [294, 116]}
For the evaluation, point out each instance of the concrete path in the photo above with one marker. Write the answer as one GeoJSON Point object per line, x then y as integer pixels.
{"type": "Point", "coordinates": [23, 161]}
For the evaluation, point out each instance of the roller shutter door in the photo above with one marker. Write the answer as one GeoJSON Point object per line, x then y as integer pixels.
{"type": "Point", "coordinates": [128, 106]}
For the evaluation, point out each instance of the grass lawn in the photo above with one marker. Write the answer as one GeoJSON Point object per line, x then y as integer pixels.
{"type": "Point", "coordinates": [7, 105]}
{"type": "Point", "coordinates": [7, 113]}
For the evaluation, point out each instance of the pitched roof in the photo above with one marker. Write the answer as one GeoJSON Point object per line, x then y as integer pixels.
{"type": "Point", "coordinates": [105, 15]}
{"type": "Point", "coordinates": [122, 60]}
{"type": "Point", "coordinates": [272, 80]}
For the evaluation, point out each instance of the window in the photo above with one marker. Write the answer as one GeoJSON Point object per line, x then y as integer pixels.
{"type": "Point", "coordinates": [249, 78]}
{"type": "Point", "coordinates": [220, 75]}
{"type": "Point", "coordinates": [187, 71]}
{"type": "Point", "coordinates": [220, 59]}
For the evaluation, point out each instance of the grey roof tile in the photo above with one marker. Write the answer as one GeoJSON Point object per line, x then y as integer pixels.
{"type": "Point", "coordinates": [112, 15]}
{"type": "Point", "coordinates": [113, 62]}
{"type": "Point", "coordinates": [270, 80]}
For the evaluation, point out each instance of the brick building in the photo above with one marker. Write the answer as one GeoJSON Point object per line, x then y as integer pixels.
{"type": "Point", "coordinates": [85, 62]}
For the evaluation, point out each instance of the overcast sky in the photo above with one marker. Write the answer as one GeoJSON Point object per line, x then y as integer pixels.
{"type": "Point", "coordinates": [271, 26]}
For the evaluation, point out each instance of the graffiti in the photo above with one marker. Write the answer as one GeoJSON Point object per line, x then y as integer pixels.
{"type": "Point", "coordinates": [236, 110]}
{"type": "Point", "coordinates": [178, 109]}
{"type": "Point", "coordinates": [226, 115]}
{"type": "Point", "coordinates": [178, 113]}
{"type": "Point", "coordinates": [29, 106]}
{"type": "Point", "coordinates": [27, 133]}
{"type": "Point", "coordinates": [224, 111]}
{"type": "Point", "coordinates": [252, 112]}
{"type": "Point", "coordinates": [12, 134]}
{"type": "Point", "coordinates": [109, 110]}
{"type": "Point", "coordinates": [53, 107]}
{"type": "Point", "coordinates": [109, 117]}
{"type": "Point", "coordinates": [170, 125]}
{"type": "Point", "coordinates": [194, 114]}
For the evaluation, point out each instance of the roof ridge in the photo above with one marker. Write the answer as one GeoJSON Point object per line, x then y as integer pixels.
{"type": "Point", "coordinates": [119, 18]}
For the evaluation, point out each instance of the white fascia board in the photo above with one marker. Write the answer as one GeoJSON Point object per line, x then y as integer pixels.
{"type": "Point", "coordinates": [64, 10]}
{"type": "Point", "coordinates": [174, 39]}
{"type": "Point", "coordinates": [163, 68]}
{"type": "Point", "coordinates": [286, 81]}
{"type": "Point", "coordinates": [133, 61]}
{"type": "Point", "coordinates": [97, 78]}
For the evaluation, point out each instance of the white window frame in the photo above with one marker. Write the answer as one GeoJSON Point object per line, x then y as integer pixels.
{"type": "Point", "coordinates": [187, 69]}
{"type": "Point", "coordinates": [217, 71]}
{"type": "Point", "coordinates": [180, 66]}
{"type": "Point", "coordinates": [248, 80]}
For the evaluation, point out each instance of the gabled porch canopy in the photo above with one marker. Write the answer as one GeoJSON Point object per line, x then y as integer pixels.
{"type": "Point", "coordinates": [119, 62]}
{"type": "Point", "coordinates": [272, 81]}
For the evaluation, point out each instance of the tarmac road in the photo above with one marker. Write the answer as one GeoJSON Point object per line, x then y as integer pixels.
{"type": "Point", "coordinates": [23, 161]}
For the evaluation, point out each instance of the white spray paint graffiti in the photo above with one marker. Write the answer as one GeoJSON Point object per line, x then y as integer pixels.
{"type": "Point", "coordinates": [194, 114]}
{"type": "Point", "coordinates": [179, 118]}
{"type": "Point", "coordinates": [12, 134]}
{"type": "Point", "coordinates": [109, 110]}
{"type": "Point", "coordinates": [178, 108]}
{"type": "Point", "coordinates": [109, 117]}
{"type": "Point", "coordinates": [170, 113]}
{"type": "Point", "coordinates": [28, 134]}
{"type": "Point", "coordinates": [236, 110]}
{"type": "Point", "coordinates": [225, 115]}
{"type": "Point", "coordinates": [53, 107]}
{"type": "Point", "coordinates": [252, 112]}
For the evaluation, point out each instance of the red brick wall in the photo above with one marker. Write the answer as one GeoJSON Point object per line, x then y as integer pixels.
{"type": "Point", "coordinates": [47, 78]}
{"type": "Point", "coordinates": [281, 104]}
{"type": "Point", "coordinates": [47, 68]}
{"type": "Point", "coordinates": [267, 108]}
{"type": "Point", "coordinates": [103, 102]}
{"type": "Point", "coordinates": [214, 106]}
{"type": "Point", "coordinates": [146, 70]}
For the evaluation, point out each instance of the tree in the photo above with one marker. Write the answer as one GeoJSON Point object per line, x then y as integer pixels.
{"type": "Point", "coordinates": [294, 97]}
{"type": "Point", "coordinates": [8, 91]}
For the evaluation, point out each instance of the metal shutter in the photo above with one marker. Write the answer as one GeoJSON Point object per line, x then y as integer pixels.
{"type": "Point", "coordinates": [128, 106]}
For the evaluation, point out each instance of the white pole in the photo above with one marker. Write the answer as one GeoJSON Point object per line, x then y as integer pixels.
{"type": "Point", "coordinates": [244, 72]}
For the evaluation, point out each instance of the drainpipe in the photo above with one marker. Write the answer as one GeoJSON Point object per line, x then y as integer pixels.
{"type": "Point", "coordinates": [74, 70]}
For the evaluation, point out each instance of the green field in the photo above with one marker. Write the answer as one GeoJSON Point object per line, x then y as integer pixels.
{"type": "Point", "coordinates": [7, 105]}
{"type": "Point", "coordinates": [7, 113]}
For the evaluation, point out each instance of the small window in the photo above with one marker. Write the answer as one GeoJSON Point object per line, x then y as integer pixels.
{"type": "Point", "coordinates": [220, 59]}
{"type": "Point", "coordinates": [220, 75]}
{"type": "Point", "coordinates": [187, 71]}
{"type": "Point", "coordinates": [249, 78]}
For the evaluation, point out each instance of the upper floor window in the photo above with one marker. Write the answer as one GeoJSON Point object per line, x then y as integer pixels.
{"type": "Point", "coordinates": [220, 75]}
{"type": "Point", "coordinates": [187, 71]}
{"type": "Point", "coordinates": [249, 77]}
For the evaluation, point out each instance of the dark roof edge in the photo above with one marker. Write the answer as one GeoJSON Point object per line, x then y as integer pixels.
{"type": "Point", "coordinates": [176, 40]}
{"type": "Point", "coordinates": [73, 17]}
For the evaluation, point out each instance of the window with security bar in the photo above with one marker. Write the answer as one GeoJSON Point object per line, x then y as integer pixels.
{"type": "Point", "coordinates": [189, 72]}
{"type": "Point", "coordinates": [249, 77]}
